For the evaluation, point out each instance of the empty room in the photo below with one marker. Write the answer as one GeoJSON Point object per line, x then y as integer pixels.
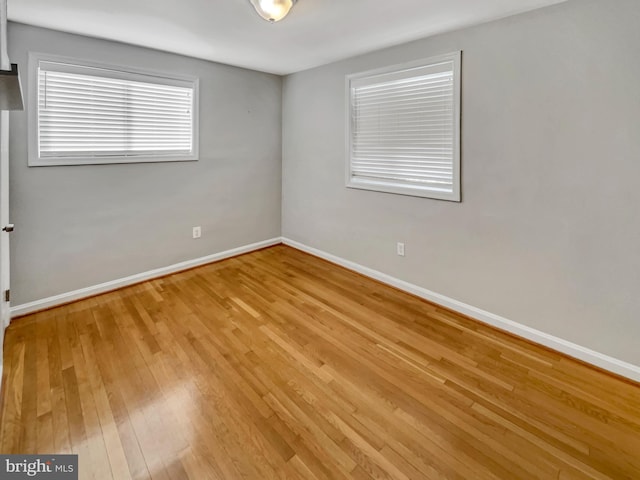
{"type": "Point", "coordinates": [318, 240]}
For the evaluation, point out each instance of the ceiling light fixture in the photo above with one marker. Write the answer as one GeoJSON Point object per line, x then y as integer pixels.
{"type": "Point", "coordinates": [273, 10]}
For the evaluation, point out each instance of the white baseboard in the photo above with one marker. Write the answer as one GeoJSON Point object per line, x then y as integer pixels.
{"type": "Point", "coordinates": [600, 360]}
{"type": "Point", "coordinates": [55, 300]}
{"type": "Point", "coordinates": [592, 357]}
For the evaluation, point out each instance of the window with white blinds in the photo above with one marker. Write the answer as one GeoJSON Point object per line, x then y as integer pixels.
{"type": "Point", "coordinates": [87, 114]}
{"type": "Point", "coordinates": [404, 129]}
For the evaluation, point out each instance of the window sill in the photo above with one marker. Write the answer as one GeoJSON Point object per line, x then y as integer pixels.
{"type": "Point", "coordinates": [401, 189]}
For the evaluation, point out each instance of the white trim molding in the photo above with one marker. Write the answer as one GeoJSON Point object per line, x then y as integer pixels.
{"type": "Point", "coordinates": [587, 355]}
{"type": "Point", "coordinates": [63, 298]}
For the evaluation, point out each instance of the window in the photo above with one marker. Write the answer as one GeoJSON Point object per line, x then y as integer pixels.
{"type": "Point", "coordinates": [84, 113]}
{"type": "Point", "coordinates": [404, 129]}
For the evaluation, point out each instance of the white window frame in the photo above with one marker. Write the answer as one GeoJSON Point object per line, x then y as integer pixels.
{"type": "Point", "coordinates": [115, 71]}
{"type": "Point", "coordinates": [400, 71]}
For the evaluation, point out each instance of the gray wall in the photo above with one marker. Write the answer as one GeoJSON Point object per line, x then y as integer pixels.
{"type": "Point", "coordinates": [548, 233]}
{"type": "Point", "coordinates": [79, 226]}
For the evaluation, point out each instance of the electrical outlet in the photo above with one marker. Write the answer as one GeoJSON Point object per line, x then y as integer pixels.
{"type": "Point", "coordinates": [197, 232]}
{"type": "Point", "coordinates": [400, 249]}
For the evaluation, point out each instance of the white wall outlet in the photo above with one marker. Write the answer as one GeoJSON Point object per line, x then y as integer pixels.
{"type": "Point", "coordinates": [197, 232]}
{"type": "Point", "coordinates": [400, 249]}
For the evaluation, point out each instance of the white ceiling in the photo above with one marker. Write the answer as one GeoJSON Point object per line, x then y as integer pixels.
{"type": "Point", "coordinates": [316, 32]}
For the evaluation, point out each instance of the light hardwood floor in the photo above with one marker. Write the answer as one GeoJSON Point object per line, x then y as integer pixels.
{"type": "Point", "coordinates": [279, 365]}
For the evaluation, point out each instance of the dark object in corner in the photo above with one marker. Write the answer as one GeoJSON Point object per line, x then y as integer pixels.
{"type": "Point", "coordinates": [10, 90]}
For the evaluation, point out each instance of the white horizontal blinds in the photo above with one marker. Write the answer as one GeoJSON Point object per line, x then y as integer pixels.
{"type": "Point", "coordinates": [403, 128]}
{"type": "Point", "coordinates": [92, 112]}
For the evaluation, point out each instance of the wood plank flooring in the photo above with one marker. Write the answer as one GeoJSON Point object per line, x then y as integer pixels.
{"type": "Point", "coordinates": [278, 365]}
